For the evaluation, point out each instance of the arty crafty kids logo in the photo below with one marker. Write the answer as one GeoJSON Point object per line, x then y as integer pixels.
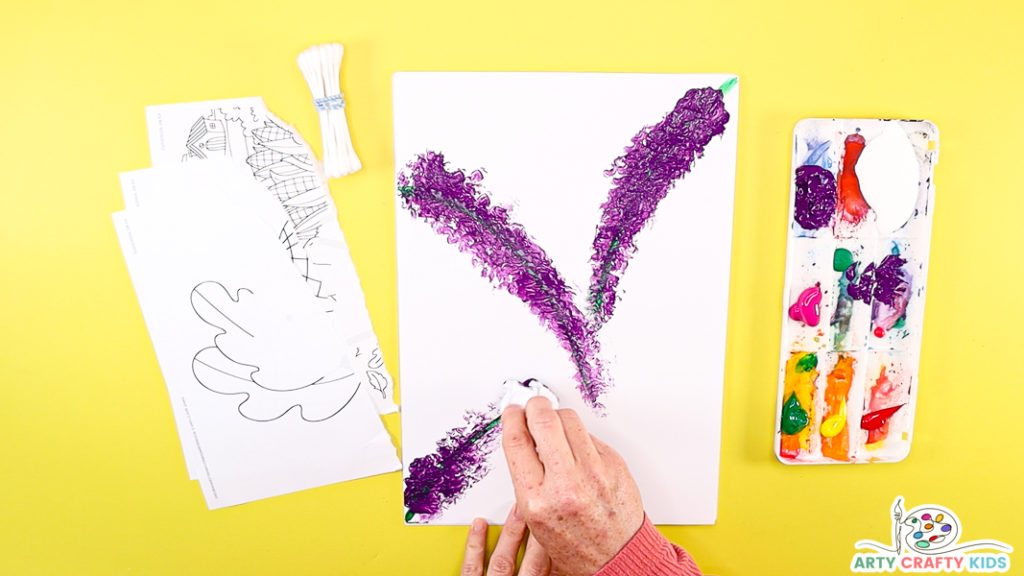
{"type": "Point", "coordinates": [927, 539]}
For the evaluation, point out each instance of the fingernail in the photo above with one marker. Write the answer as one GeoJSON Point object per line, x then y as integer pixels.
{"type": "Point", "coordinates": [478, 525]}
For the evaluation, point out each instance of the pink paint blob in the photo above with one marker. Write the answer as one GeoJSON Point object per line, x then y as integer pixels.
{"type": "Point", "coordinates": [806, 308]}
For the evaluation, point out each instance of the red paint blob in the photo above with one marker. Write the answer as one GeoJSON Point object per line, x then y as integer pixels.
{"type": "Point", "coordinates": [878, 418]}
{"type": "Point", "coordinates": [854, 208]}
{"type": "Point", "coordinates": [879, 331]}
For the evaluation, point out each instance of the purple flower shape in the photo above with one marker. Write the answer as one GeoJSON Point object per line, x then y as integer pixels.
{"type": "Point", "coordinates": [658, 157]}
{"type": "Point", "coordinates": [438, 480]}
{"type": "Point", "coordinates": [458, 209]}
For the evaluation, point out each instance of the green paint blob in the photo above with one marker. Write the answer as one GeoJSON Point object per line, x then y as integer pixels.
{"type": "Point", "coordinates": [794, 417]}
{"type": "Point", "coordinates": [406, 191]}
{"type": "Point", "coordinates": [842, 260]}
{"type": "Point", "coordinates": [408, 516]}
{"type": "Point", "coordinates": [807, 363]}
{"type": "Point", "coordinates": [901, 322]}
{"type": "Point", "coordinates": [728, 85]}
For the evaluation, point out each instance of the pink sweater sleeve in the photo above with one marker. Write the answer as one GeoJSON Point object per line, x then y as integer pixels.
{"type": "Point", "coordinates": [648, 553]}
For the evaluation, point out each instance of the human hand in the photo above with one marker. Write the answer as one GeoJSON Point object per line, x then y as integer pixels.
{"type": "Point", "coordinates": [503, 559]}
{"type": "Point", "coordinates": [574, 491]}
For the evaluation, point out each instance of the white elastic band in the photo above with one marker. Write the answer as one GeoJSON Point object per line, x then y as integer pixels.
{"type": "Point", "coordinates": [321, 66]}
{"type": "Point", "coordinates": [334, 102]}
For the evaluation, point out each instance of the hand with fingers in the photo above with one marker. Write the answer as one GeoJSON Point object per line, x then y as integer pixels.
{"type": "Point", "coordinates": [574, 491]}
{"type": "Point", "coordinates": [579, 503]}
{"type": "Point", "coordinates": [503, 558]}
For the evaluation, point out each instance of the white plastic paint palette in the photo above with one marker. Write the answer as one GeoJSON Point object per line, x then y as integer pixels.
{"type": "Point", "coordinates": [860, 218]}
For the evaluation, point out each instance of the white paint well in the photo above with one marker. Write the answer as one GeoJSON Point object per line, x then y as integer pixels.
{"type": "Point", "coordinates": [888, 173]}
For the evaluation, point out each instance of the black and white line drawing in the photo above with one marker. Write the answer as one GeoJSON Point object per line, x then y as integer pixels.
{"type": "Point", "coordinates": [281, 163]}
{"type": "Point", "coordinates": [245, 133]}
{"type": "Point", "coordinates": [259, 355]}
{"type": "Point", "coordinates": [374, 363]}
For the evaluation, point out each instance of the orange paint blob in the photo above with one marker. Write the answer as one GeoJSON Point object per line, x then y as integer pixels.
{"type": "Point", "coordinates": [837, 391]}
{"type": "Point", "coordinates": [853, 208]}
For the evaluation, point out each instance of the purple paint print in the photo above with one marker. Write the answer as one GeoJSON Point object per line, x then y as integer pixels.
{"type": "Point", "coordinates": [815, 197]}
{"type": "Point", "coordinates": [659, 156]}
{"type": "Point", "coordinates": [438, 480]}
{"type": "Point", "coordinates": [455, 206]}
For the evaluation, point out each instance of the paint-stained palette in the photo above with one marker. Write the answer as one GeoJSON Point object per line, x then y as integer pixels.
{"type": "Point", "coordinates": [860, 223]}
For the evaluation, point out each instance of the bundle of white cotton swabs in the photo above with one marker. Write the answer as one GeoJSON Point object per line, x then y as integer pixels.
{"type": "Point", "coordinates": [321, 65]}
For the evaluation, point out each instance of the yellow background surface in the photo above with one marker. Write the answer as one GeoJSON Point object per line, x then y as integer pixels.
{"type": "Point", "coordinates": [91, 475]}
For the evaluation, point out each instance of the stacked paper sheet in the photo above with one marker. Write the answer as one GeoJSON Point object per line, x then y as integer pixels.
{"type": "Point", "coordinates": [253, 305]}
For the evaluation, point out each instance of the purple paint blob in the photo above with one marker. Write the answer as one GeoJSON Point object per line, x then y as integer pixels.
{"type": "Point", "coordinates": [438, 480]}
{"type": "Point", "coordinates": [815, 197]}
{"type": "Point", "coordinates": [861, 288]}
{"type": "Point", "coordinates": [456, 208]}
{"type": "Point", "coordinates": [892, 283]}
{"type": "Point", "coordinates": [643, 176]}
{"type": "Point", "coordinates": [887, 282]}
{"type": "Point", "coordinates": [892, 292]}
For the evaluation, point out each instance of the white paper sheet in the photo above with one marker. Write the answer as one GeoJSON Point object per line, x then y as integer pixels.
{"type": "Point", "coordinates": [244, 132]}
{"type": "Point", "coordinates": [174, 189]}
{"type": "Point", "coordinates": [264, 403]}
{"type": "Point", "coordinates": [543, 142]}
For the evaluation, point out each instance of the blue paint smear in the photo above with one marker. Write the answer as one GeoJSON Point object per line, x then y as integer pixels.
{"type": "Point", "coordinates": [818, 154]}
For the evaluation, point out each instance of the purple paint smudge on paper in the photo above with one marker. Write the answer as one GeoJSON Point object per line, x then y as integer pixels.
{"type": "Point", "coordinates": [815, 197]}
{"type": "Point", "coordinates": [658, 157]}
{"type": "Point", "coordinates": [457, 209]}
{"type": "Point", "coordinates": [438, 480]}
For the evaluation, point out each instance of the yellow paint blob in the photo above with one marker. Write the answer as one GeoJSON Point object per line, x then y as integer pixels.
{"type": "Point", "coordinates": [835, 423]}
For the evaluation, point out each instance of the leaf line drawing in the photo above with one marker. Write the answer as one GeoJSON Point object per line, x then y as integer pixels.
{"type": "Point", "coordinates": [256, 356]}
{"type": "Point", "coordinates": [374, 377]}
